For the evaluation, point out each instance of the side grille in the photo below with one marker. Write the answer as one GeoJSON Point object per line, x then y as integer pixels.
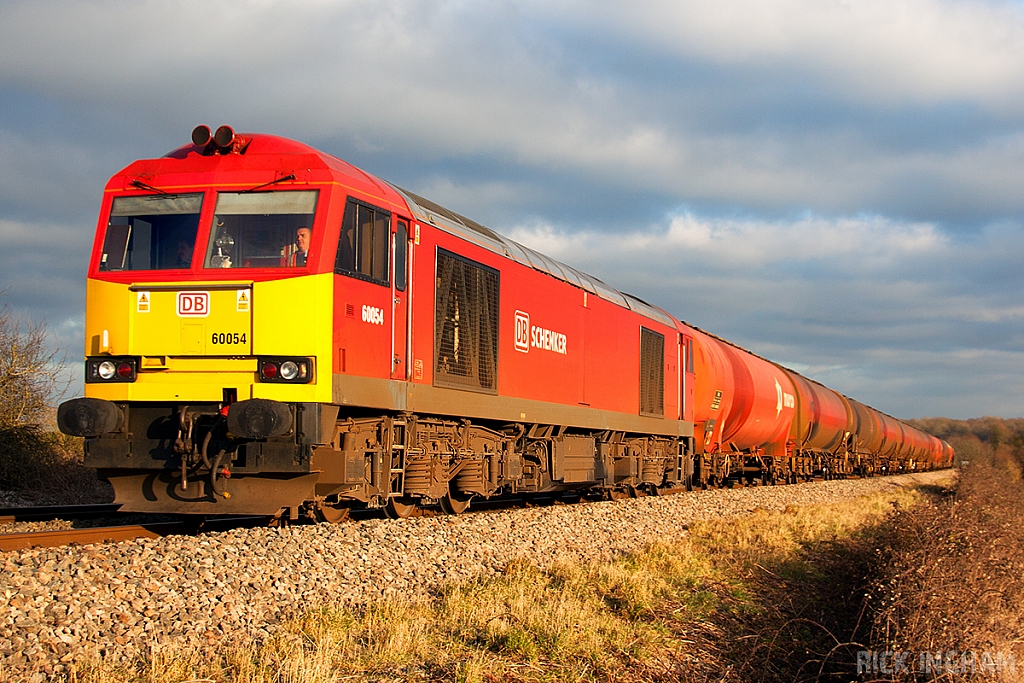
{"type": "Point", "coordinates": [652, 373]}
{"type": "Point", "coordinates": [465, 324]}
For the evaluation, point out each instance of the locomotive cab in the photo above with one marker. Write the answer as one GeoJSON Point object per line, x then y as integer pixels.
{"type": "Point", "coordinates": [209, 330]}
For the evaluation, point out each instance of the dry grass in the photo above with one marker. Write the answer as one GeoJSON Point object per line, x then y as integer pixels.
{"type": "Point", "coordinates": [706, 605]}
{"type": "Point", "coordinates": [955, 581]}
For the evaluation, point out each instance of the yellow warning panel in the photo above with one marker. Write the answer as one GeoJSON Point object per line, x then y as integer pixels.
{"type": "Point", "coordinates": [189, 320]}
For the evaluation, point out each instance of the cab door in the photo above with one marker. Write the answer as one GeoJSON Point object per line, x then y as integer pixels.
{"type": "Point", "coordinates": [686, 377]}
{"type": "Point", "coordinates": [401, 291]}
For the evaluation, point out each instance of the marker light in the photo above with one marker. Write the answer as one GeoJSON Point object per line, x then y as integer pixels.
{"type": "Point", "coordinates": [111, 369]}
{"type": "Point", "coordinates": [286, 370]}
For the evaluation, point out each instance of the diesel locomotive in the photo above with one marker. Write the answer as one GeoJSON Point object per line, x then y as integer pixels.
{"type": "Point", "coordinates": [273, 331]}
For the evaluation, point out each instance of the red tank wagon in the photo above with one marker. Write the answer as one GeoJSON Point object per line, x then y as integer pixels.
{"type": "Point", "coordinates": [270, 330]}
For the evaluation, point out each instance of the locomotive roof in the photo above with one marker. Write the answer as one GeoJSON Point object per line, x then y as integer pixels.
{"type": "Point", "coordinates": [257, 144]}
{"type": "Point", "coordinates": [468, 229]}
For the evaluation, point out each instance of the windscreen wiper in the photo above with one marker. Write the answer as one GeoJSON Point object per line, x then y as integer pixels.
{"type": "Point", "coordinates": [146, 186]}
{"type": "Point", "coordinates": [290, 176]}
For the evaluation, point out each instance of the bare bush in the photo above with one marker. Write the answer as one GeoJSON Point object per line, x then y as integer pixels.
{"type": "Point", "coordinates": [954, 577]}
{"type": "Point", "coordinates": [38, 463]}
{"type": "Point", "coordinates": [30, 372]}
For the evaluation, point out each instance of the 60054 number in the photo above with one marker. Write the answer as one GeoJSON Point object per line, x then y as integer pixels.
{"type": "Point", "coordinates": [227, 338]}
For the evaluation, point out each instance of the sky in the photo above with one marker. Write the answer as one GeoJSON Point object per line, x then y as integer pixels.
{"type": "Point", "coordinates": [834, 185]}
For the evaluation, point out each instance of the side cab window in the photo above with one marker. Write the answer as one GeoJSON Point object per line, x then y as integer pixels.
{"type": "Point", "coordinates": [401, 254]}
{"type": "Point", "coordinates": [364, 243]}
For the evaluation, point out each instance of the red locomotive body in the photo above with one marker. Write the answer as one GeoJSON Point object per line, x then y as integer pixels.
{"type": "Point", "coordinates": [270, 330]}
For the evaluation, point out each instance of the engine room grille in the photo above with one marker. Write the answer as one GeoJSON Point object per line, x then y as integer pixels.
{"type": "Point", "coordinates": [652, 373]}
{"type": "Point", "coordinates": [465, 324]}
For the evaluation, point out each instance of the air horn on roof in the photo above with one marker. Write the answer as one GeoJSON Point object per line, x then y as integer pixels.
{"type": "Point", "coordinates": [223, 140]}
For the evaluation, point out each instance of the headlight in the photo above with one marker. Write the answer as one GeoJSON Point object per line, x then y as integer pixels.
{"type": "Point", "coordinates": [289, 370]}
{"type": "Point", "coordinates": [106, 370]}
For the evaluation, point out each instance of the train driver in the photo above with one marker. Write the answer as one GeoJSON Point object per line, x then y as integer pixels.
{"type": "Point", "coordinates": [184, 255]}
{"type": "Point", "coordinates": [302, 236]}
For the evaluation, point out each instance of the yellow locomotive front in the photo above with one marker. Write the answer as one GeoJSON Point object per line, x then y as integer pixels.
{"type": "Point", "coordinates": [208, 330]}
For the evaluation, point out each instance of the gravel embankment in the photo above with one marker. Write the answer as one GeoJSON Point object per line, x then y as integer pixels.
{"type": "Point", "coordinates": [64, 605]}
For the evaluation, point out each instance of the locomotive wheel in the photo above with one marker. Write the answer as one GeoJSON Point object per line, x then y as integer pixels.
{"type": "Point", "coordinates": [635, 492]}
{"type": "Point", "coordinates": [455, 504]}
{"type": "Point", "coordinates": [399, 508]}
{"type": "Point", "coordinates": [332, 514]}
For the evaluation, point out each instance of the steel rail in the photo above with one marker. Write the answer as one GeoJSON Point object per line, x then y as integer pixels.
{"type": "Point", "coordinates": [44, 513]}
{"type": "Point", "coordinates": [105, 534]}
{"type": "Point", "coordinates": [99, 534]}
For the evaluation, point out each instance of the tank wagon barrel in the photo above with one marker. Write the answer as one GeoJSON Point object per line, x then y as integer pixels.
{"type": "Point", "coordinates": [271, 330]}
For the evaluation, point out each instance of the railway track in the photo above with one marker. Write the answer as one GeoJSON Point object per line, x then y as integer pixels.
{"type": "Point", "coordinates": [52, 538]}
{"type": "Point", "coordinates": [104, 533]}
{"type": "Point", "coordinates": [99, 534]}
{"type": "Point", "coordinates": [161, 526]}
{"type": "Point", "coordinates": [46, 513]}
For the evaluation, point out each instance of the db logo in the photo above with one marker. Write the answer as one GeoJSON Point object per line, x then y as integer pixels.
{"type": "Point", "coordinates": [193, 304]}
{"type": "Point", "coordinates": [522, 331]}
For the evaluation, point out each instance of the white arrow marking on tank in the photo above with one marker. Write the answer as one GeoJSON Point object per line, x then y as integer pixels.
{"type": "Point", "coordinates": [778, 391]}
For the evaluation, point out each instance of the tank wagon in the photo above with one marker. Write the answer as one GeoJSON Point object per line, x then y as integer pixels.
{"type": "Point", "coordinates": [271, 330]}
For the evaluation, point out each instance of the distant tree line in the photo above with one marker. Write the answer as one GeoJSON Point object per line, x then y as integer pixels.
{"type": "Point", "coordinates": [979, 437]}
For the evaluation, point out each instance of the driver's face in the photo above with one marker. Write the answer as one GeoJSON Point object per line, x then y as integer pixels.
{"type": "Point", "coordinates": [302, 239]}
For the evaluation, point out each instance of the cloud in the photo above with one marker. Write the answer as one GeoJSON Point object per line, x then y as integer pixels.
{"type": "Point", "coordinates": [860, 245]}
{"type": "Point", "coordinates": [43, 267]}
{"type": "Point", "coordinates": [884, 51]}
{"type": "Point", "coordinates": [776, 106]}
{"type": "Point", "coordinates": [849, 173]}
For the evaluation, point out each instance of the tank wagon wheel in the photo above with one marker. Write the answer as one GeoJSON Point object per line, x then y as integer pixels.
{"type": "Point", "coordinates": [454, 503]}
{"type": "Point", "coordinates": [399, 508]}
